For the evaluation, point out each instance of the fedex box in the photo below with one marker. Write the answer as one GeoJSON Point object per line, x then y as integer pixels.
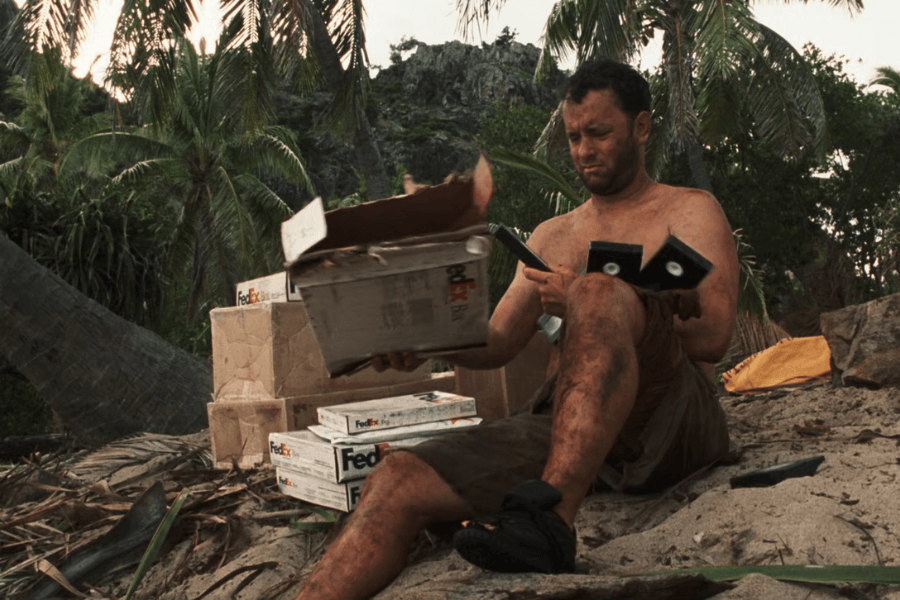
{"type": "Point", "coordinates": [405, 273]}
{"type": "Point", "coordinates": [270, 288]}
{"type": "Point", "coordinates": [386, 413]}
{"type": "Point", "coordinates": [307, 453]}
{"type": "Point", "coordinates": [269, 350]}
{"type": "Point", "coordinates": [340, 496]}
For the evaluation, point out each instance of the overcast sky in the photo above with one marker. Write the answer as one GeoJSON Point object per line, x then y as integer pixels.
{"type": "Point", "coordinates": [864, 39]}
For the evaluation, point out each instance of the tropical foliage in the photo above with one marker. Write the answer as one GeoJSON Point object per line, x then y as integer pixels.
{"type": "Point", "coordinates": [309, 42]}
{"type": "Point", "coordinates": [722, 72]}
{"type": "Point", "coordinates": [203, 168]}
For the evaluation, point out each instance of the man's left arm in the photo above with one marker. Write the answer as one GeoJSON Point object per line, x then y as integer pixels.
{"type": "Point", "coordinates": [700, 223]}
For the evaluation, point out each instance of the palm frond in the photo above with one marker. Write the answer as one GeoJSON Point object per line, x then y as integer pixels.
{"type": "Point", "coordinates": [590, 29]}
{"type": "Point", "coordinates": [276, 150]}
{"type": "Point", "coordinates": [133, 450]}
{"type": "Point", "coordinates": [472, 13]}
{"type": "Point", "coordinates": [888, 77]}
{"type": "Point", "coordinates": [143, 51]}
{"type": "Point", "coordinates": [140, 170]}
{"type": "Point", "coordinates": [552, 136]}
{"type": "Point", "coordinates": [783, 97]}
{"type": "Point", "coordinates": [13, 136]}
{"type": "Point", "coordinates": [126, 145]}
{"type": "Point", "coordinates": [541, 167]}
{"type": "Point", "coordinates": [724, 34]}
{"type": "Point", "coordinates": [44, 23]}
{"type": "Point", "coordinates": [751, 297]}
{"type": "Point", "coordinates": [853, 6]}
{"type": "Point", "coordinates": [345, 20]}
{"type": "Point", "coordinates": [718, 109]}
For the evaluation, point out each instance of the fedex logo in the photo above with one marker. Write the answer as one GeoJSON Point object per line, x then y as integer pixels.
{"type": "Point", "coordinates": [282, 480]}
{"type": "Point", "coordinates": [355, 493]}
{"type": "Point", "coordinates": [280, 449]}
{"type": "Point", "coordinates": [251, 297]}
{"type": "Point", "coordinates": [460, 285]}
{"type": "Point", "coordinates": [360, 460]}
{"type": "Point", "coordinates": [366, 423]}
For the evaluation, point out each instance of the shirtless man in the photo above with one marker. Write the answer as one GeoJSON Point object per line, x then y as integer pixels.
{"type": "Point", "coordinates": [633, 403]}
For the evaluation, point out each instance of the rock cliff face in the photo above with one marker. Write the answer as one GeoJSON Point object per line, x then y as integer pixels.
{"type": "Point", "coordinates": [425, 112]}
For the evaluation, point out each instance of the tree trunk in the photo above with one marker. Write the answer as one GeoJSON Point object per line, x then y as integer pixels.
{"type": "Point", "coordinates": [104, 376]}
{"type": "Point", "coordinates": [698, 167]}
{"type": "Point", "coordinates": [368, 157]}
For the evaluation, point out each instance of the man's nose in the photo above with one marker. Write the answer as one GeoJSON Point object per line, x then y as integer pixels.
{"type": "Point", "coordinates": [585, 150]}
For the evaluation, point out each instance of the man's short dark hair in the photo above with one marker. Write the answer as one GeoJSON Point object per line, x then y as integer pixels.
{"type": "Point", "coordinates": [630, 87]}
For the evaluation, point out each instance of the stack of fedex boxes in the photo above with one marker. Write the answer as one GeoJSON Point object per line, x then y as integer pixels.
{"type": "Point", "coordinates": [403, 273]}
{"type": "Point", "coordinates": [269, 373]}
{"type": "Point", "coordinates": [326, 463]}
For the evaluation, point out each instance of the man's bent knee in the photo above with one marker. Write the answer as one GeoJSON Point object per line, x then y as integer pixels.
{"type": "Point", "coordinates": [597, 287]}
{"type": "Point", "coordinates": [597, 296]}
{"type": "Point", "coordinates": [408, 482]}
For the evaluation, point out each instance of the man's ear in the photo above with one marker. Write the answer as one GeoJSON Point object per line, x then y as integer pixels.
{"type": "Point", "coordinates": [641, 127]}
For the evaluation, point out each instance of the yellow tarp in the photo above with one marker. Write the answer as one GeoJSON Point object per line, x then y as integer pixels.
{"type": "Point", "coordinates": [790, 361]}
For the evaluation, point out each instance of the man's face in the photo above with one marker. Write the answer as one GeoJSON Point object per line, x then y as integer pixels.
{"type": "Point", "coordinates": [602, 142]}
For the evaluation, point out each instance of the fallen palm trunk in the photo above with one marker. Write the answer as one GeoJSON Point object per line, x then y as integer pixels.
{"type": "Point", "coordinates": [875, 574]}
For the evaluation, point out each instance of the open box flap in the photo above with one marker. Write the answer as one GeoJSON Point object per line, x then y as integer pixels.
{"type": "Point", "coordinates": [456, 204]}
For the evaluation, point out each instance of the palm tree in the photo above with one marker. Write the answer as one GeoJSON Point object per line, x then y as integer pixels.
{"type": "Point", "coordinates": [204, 168]}
{"type": "Point", "coordinates": [106, 377]}
{"type": "Point", "coordinates": [888, 77]}
{"type": "Point", "coordinates": [722, 71]}
{"type": "Point", "coordinates": [310, 41]}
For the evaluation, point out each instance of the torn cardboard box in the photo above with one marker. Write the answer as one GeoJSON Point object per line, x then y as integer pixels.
{"type": "Point", "coordinates": [405, 273]}
{"type": "Point", "coordinates": [269, 350]}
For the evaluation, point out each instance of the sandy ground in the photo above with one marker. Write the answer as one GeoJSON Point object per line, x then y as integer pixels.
{"type": "Point", "coordinates": [848, 513]}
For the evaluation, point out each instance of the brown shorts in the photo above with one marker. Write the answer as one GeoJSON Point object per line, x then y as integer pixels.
{"type": "Point", "coordinates": [676, 428]}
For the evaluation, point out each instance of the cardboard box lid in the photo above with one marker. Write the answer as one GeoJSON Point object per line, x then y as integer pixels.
{"type": "Point", "coordinates": [452, 206]}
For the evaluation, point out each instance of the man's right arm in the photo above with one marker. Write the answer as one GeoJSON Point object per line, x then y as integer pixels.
{"type": "Point", "coordinates": [512, 325]}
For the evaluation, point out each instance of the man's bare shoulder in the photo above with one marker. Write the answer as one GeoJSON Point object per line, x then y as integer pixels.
{"type": "Point", "coordinates": [686, 195]}
{"type": "Point", "coordinates": [685, 204]}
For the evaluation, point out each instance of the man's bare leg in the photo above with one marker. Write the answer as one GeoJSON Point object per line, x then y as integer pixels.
{"type": "Point", "coordinates": [597, 384]}
{"type": "Point", "coordinates": [401, 496]}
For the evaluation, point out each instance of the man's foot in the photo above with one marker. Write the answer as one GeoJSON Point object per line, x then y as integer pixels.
{"type": "Point", "coordinates": [525, 536]}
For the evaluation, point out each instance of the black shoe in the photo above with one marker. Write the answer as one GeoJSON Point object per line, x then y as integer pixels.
{"type": "Point", "coordinates": [525, 536]}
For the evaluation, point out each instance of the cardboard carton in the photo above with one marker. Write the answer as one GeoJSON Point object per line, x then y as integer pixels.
{"type": "Point", "coordinates": [269, 350]}
{"type": "Point", "coordinates": [271, 288]}
{"type": "Point", "coordinates": [307, 453]}
{"type": "Point", "coordinates": [340, 496]}
{"type": "Point", "coordinates": [403, 273]}
{"type": "Point", "coordinates": [239, 431]}
{"type": "Point", "coordinates": [385, 413]}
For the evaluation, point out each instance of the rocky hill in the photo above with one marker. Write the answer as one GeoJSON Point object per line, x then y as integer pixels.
{"type": "Point", "coordinates": [425, 110]}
